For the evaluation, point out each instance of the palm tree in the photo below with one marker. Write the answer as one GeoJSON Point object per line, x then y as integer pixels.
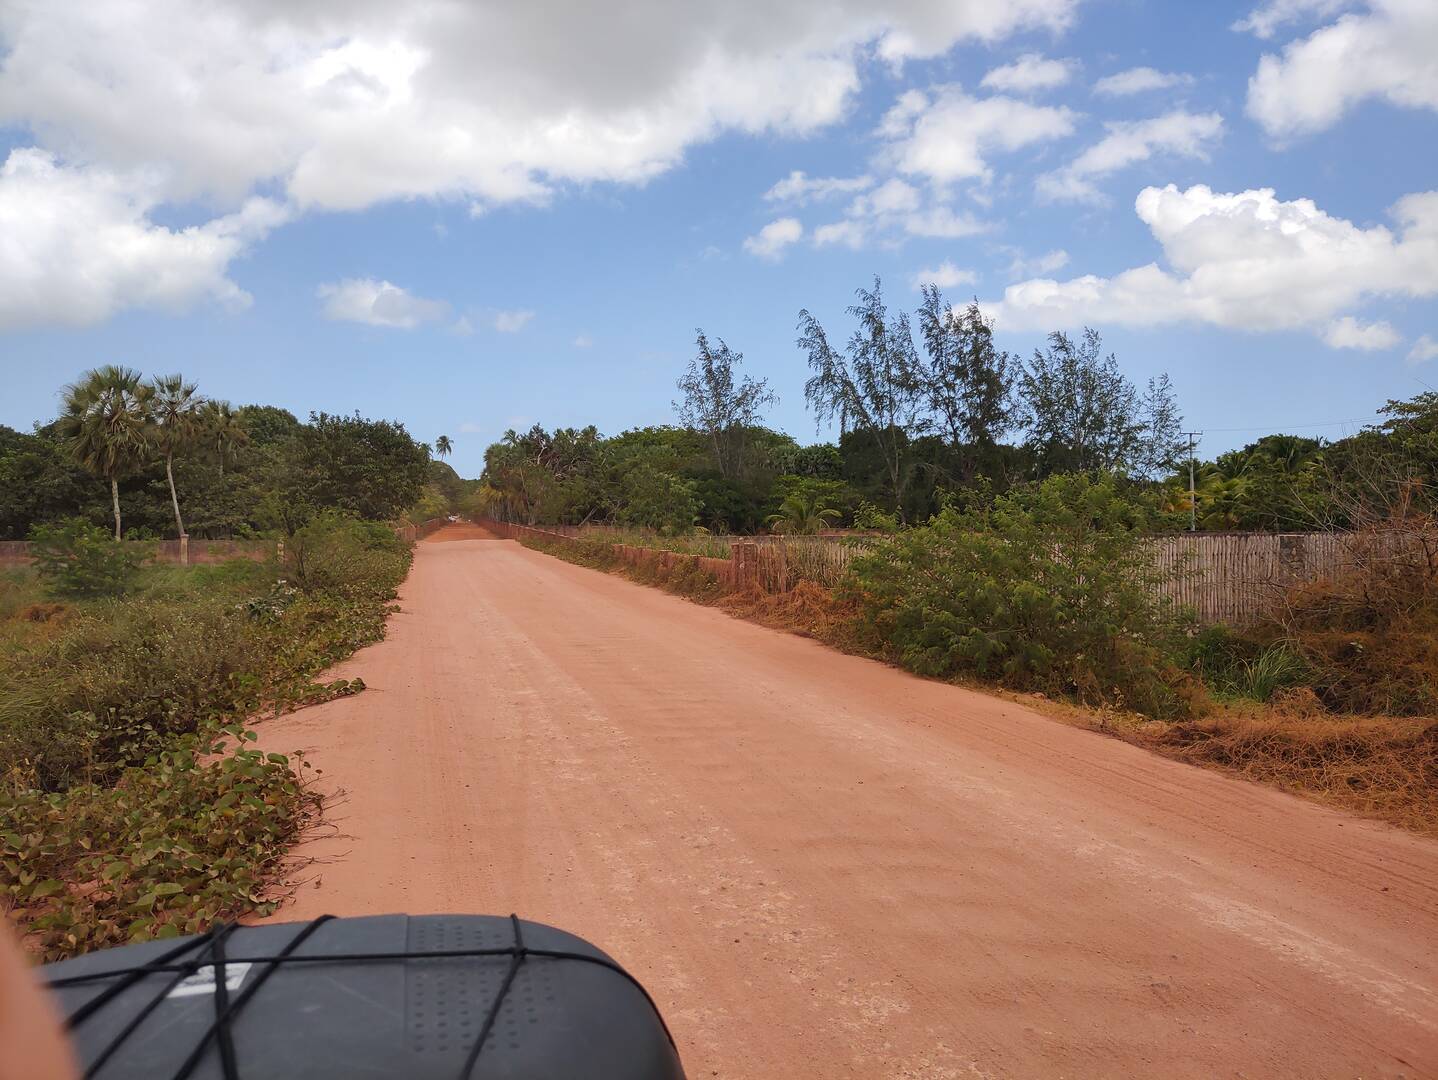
{"type": "Point", "coordinates": [443, 445]}
{"type": "Point", "coordinates": [222, 429]}
{"type": "Point", "coordinates": [175, 413]}
{"type": "Point", "coordinates": [106, 422]}
{"type": "Point", "coordinates": [801, 512]}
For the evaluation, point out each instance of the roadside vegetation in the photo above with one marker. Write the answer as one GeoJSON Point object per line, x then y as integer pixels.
{"type": "Point", "coordinates": [132, 802]}
{"type": "Point", "coordinates": [998, 510]}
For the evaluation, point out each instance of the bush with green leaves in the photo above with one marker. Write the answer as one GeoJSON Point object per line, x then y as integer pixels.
{"type": "Point", "coordinates": [119, 820]}
{"type": "Point", "coordinates": [76, 560]}
{"type": "Point", "coordinates": [341, 555]}
{"type": "Point", "coordinates": [187, 837]}
{"type": "Point", "coordinates": [1048, 588]}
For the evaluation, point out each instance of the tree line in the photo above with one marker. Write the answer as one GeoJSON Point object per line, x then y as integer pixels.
{"type": "Point", "coordinates": [920, 417]}
{"type": "Point", "coordinates": [156, 457]}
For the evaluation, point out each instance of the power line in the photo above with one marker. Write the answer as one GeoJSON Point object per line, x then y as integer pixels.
{"type": "Point", "coordinates": [1283, 427]}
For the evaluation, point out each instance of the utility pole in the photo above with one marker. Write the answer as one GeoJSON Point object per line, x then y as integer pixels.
{"type": "Point", "coordinates": [1192, 495]}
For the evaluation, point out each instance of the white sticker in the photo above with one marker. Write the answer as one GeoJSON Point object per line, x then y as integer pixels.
{"type": "Point", "coordinates": [203, 981]}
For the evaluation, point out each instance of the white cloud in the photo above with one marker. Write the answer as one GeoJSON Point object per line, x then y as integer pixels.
{"type": "Point", "coordinates": [77, 244]}
{"type": "Point", "coordinates": [1139, 80]}
{"type": "Point", "coordinates": [1245, 261]}
{"type": "Point", "coordinates": [583, 341]}
{"type": "Point", "coordinates": [1425, 348]}
{"type": "Point", "coordinates": [1263, 21]}
{"type": "Point", "coordinates": [343, 105]}
{"type": "Point", "coordinates": [800, 189]}
{"type": "Point", "coordinates": [1128, 142]}
{"type": "Point", "coordinates": [512, 322]}
{"type": "Point", "coordinates": [378, 303]}
{"type": "Point", "coordinates": [338, 106]}
{"type": "Point", "coordinates": [1349, 333]}
{"type": "Point", "coordinates": [1389, 52]}
{"type": "Point", "coordinates": [893, 208]}
{"type": "Point", "coordinates": [1028, 73]}
{"type": "Point", "coordinates": [946, 136]}
{"type": "Point", "coordinates": [774, 237]}
{"type": "Point", "coordinates": [1046, 263]}
{"type": "Point", "coordinates": [946, 275]}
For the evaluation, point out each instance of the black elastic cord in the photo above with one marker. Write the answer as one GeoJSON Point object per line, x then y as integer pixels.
{"type": "Point", "coordinates": [150, 1006]}
{"type": "Point", "coordinates": [131, 977]}
{"type": "Point", "coordinates": [229, 1067]}
{"type": "Point", "coordinates": [517, 954]}
{"type": "Point", "coordinates": [226, 1018]}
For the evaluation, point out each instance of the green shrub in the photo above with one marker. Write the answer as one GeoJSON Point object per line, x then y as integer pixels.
{"type": "Point", "coordinates": [115, 680]}
{"type": "Point", "coordinates": [344, 556]}
{"type": "Point", "coordinates": [77, 559]}
{"type": "Point", "coordinates": [1048, 588]}
{"type": "Point", "coordinates": [189, 836]}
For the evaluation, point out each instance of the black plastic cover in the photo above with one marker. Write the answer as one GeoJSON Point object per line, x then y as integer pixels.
{"type": "Point", "coordinates": [359, 998]}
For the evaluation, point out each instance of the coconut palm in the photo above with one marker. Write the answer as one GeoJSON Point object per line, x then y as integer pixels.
{"type": "Point", "coordinates": [106, 422]}
{"type": "Point", "coordinates": [442, 446]}
{"type": "Point", "coordinates": [175, 413]}
{"type": "Point", "coordinates": [802, 512]}
{"type": "Point", "coordinates": [222, 430]}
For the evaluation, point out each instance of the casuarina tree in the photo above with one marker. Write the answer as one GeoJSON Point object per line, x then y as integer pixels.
{"type": "Point", "coordinates": [875, 386]}
{"type": "Point", "coordinates": [718, 405]}
{"type": "Point", "coordinates": [967, 382]}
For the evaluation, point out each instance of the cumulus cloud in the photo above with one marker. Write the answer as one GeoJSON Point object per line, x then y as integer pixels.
{"type": "Point", "coordinates": [1388, 52]}
{"type": "Point", "coordinates": [378, 303]}
{"type": "Point", "coordinates": [344, 105]}
{"type": "Point", "coordinates": [800, 189]}
{"type": "Point", "coordinates": [1138, 80]}
{"type": "Point", "coordinates": [947, 135]}
{"type": "Point", "coordinates": [1263, 21]}
{"type": "Point", "coordinates": [774, 237]}
{"type": "Point", "coordinates": [1179, 132]}
{"type": "Point", "coordinates": [77, 244]}
{"type": "Point", "coordinates": [512, 322]}
{"type": "Point", "coordinates": [340, 106]}
{"type": "Point", "coordinates": [1349, 333]}
{"type": "Point", "coordinates": [1246, 260]}
{"type": "Point", "coordinates": [1425, 348]}
{"type": "Point", "coordinates": [946, 275]}
{"type": "Point", "coordinates": [1029, 73]}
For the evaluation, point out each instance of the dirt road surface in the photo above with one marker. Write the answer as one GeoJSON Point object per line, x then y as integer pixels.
{"type": "Point", "coordinates": [823, 867]}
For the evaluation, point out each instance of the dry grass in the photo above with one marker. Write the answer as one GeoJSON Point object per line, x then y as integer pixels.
{"type": "Point", "coordinates": [1382, 767]}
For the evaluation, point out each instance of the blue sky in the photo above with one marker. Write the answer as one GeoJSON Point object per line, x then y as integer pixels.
{"type": "Point", "coordinates": [554, 220]}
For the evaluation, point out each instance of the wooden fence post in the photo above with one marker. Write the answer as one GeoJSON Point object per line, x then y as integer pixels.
{"type": "Point", "coordinates": [184, 549]}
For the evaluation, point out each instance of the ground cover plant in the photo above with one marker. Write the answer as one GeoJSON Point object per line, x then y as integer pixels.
{"type": "Point", "coordinates": [132, 806]}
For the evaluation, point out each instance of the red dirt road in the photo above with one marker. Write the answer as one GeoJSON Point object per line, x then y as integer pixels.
{"type": "Point", "coordinates": [823, 867]}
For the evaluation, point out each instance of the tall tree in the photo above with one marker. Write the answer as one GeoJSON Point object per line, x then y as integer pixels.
{"type": "Point", "coordinates": [717, 405]}
{"type": "Point", "coordinates": [222, 430]}
{"type": "Point", "coordinates": [1081, 413]}
{"type": "Point", "coordinates": [967, 382]}
{"type": "Point", "coordinates": [876, 386]}
{"type": "Point", "coordinates": [1161, 445]}
{"type": "Point", "coordinates": [443, 446]}
{"type": "Point", "coordinates": [175, 411]}
{"type": "Point", "coordinates": [106, 424]}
